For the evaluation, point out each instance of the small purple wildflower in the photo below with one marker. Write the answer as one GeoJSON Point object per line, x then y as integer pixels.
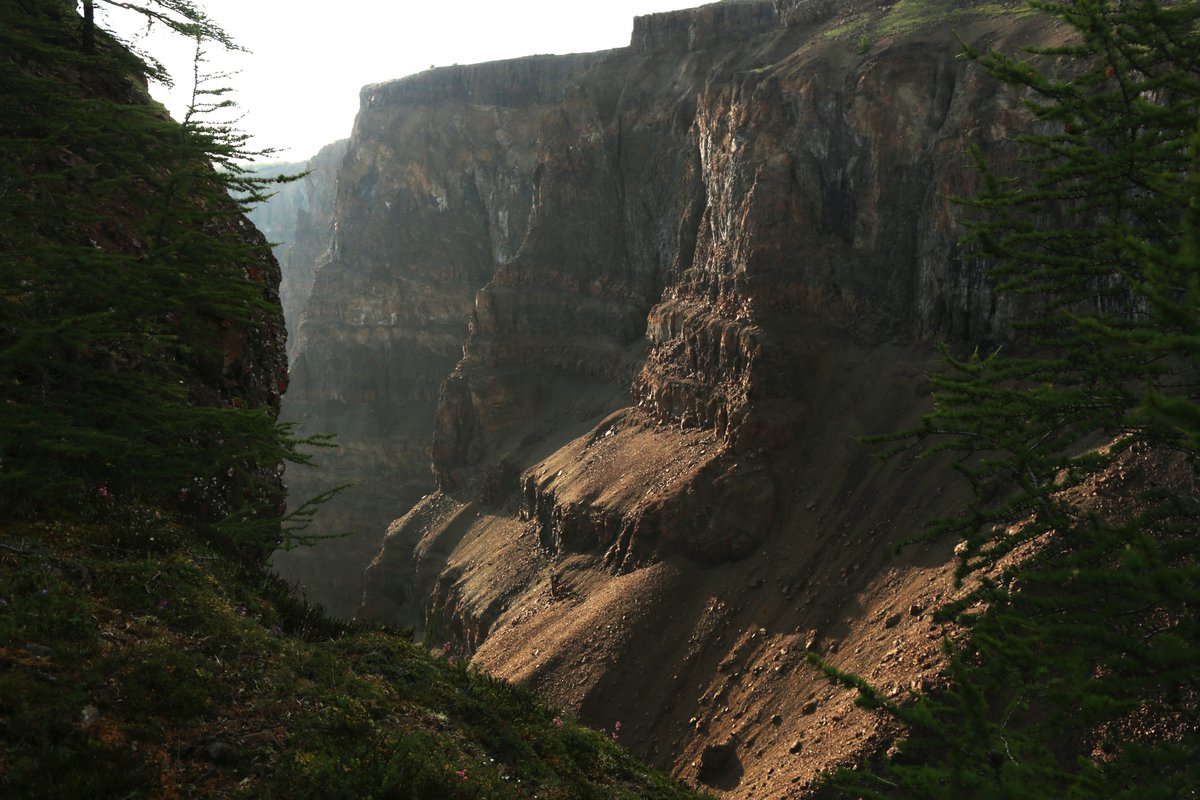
{"type": "Point", "coordinates": [446, 648]}
{"type": "Point", "coordinates": [558, 723]}
{"type": "Point", "coordinates": [276, 630]}
{"type": "Point", "coordinates": [240, 611]}
{"type": "Point", "coordinates": [162, 604]}
{"type": "Point", "coordinates": [104, 492]}
{"type": "Point", "coordinates": [462, 773]}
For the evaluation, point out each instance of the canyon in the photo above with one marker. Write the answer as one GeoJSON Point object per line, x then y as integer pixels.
{"type": "Point", "coordinates": [598, 336]}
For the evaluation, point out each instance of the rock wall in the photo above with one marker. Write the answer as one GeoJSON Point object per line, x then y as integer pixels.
{"type": "Point", "coordinates": [308, 248]}
{"type": "Point", "coordinates": [715, 25]}
{"type": "Point", "coordinates": [433, 193]}
{"type": "Point", "coordinates": [636, 305]}
{"type": "Point", "coordinates": [298, 220]}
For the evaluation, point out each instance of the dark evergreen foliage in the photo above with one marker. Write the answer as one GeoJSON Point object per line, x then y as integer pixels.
{"type": "Point", "coordinates": [1080, 673]}
{"type": "Point", "coordinates": [127, 276]}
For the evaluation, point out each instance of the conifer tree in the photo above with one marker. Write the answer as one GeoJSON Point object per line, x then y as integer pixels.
{"type": "Point", "coordinates": [126, 273]}
{"type": "Point", "coordinates": [1079, 674]}
{"type": "Point", "coordinates": [181, 16]}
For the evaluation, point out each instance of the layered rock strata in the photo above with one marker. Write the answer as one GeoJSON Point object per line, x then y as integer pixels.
{"type": "Point", "coordinates": [433, 194]}
{"type": "Point", "coordinates": [641, 360]}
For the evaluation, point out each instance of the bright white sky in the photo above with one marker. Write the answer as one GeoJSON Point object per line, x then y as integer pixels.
{"type": "Point", "coordinates": [298, 87]}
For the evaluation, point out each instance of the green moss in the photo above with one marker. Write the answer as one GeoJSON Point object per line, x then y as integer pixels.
{"type": "Point", "coordinates": [905, 16]}
{"type": "Point", "coordinates": [182, 649]}
{"type": "Point", "coordinates": [853, 25]}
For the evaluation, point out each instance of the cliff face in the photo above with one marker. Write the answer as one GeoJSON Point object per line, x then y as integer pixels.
{"type": "Point", "coordinates": [298, 219]}
{"type": "Point", "coordinates": [637, 304]}
{"type": "Point", "coordinates": [433, 194]}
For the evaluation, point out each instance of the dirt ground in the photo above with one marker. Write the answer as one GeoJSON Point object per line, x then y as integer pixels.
{"type": "Point", "coordinates": [685, 654]}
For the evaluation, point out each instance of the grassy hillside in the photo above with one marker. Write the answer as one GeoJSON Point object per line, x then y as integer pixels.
{"type": "Point", "coordinates": [135, 663]}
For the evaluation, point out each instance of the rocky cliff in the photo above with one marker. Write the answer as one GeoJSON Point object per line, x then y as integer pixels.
{"type": "Point", "coordinates": [633, 307]}
{"type": "Point", "coordinates": [298, 220]}
{"type": "Point", "coordinates": [433, 194]}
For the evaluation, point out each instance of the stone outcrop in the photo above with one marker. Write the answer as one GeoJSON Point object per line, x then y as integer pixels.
{"type": "Point", "coordinates": [632, 307]}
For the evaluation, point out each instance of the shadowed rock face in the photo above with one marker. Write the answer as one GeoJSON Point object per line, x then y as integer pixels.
{"type": "Point", "coordinates": [632, 307]}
